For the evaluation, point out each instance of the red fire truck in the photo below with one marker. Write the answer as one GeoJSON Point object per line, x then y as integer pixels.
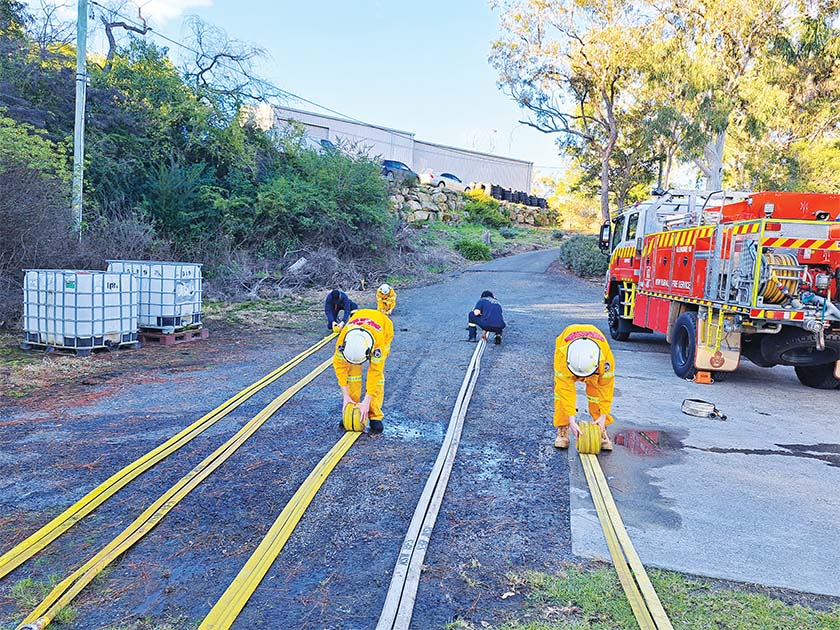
{"type": "Point", "coordinates": [727, 274]}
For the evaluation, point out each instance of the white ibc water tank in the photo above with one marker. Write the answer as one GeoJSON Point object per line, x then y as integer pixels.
{"type": "Point", "coordinates": [80, 309]}
{"type": "Point", "coordinates": [170, 292]}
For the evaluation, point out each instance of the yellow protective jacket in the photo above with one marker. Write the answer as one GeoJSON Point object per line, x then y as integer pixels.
{"type": "Point", "coordinates": [386, 303]}
{"type": "Point", "coordinates": [599, 387]}
{"type": "Point", "coordinates": [380, 327]}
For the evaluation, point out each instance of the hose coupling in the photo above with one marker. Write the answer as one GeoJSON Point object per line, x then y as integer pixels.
{"type": "Point", "coordinates": [38, 624]}
{"type": "Point", "coordinates": [812, 325]}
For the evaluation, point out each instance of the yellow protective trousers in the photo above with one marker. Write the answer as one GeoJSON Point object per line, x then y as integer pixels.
{"type": "Point", "coordinates": [565, 394]}
{"type": "Point", "coordinates": [376, 390]}
{"type": "Point", "coordinates": [386, 303]}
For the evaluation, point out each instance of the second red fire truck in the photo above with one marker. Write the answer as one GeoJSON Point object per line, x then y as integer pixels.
{"type": "Point", "coordinates": [730, 274]}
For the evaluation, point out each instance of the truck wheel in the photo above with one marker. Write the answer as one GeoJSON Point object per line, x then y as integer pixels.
{"type": "Point", "coordinates": [797, 347]}
{"type": "Point", "coordinates": [817, 376]}
{"type": "Point", "coordinates": [684, 345]}
{"type": "Point", "coordinates": [617, 325]}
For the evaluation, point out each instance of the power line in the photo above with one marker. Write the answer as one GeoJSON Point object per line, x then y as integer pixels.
{"type": "Point", "coordinates": [263, 82]}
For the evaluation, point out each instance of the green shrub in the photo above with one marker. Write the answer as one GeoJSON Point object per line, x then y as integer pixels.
{"type": "Point", "coordinates": [472, 249]}
{"type": "Point", "coordinates": [331, 199]}
{"type": "Point", "coordinates": [509, 232]}
{"type": "Point", "coordinates": [581, 254]}
{"type": "Point", "coordinates": [484, 210]}
{"type": "Point", "coordinates": [557, 235]}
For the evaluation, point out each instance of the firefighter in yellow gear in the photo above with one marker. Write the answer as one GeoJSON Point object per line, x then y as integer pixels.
{"type": "Point", "coordinates": [365, 338]}
{"type": "Point", "coordinates": [581, 353]}
{"type": "Point", "coordinates": [386, 299]}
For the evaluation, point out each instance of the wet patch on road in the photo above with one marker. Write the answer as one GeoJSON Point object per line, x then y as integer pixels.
{"type": "Point", "coordinates": [629, 470]}
{"type": "Point", "coordinates": [828, 453]}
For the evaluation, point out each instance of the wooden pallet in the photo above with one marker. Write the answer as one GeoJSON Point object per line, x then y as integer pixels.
{"type": "Point", "coordinates": [157, 338]}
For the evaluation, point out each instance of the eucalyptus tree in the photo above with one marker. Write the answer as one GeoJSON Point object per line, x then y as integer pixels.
{"type": "Point", "coordinates": [573, 66]}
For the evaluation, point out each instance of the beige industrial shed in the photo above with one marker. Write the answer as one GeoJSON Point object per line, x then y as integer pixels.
{"type": "Point", "coordinates": [393, 144]}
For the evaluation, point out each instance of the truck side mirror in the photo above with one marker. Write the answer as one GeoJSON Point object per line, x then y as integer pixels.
{"type": "Point", "coordinates": [604, 237]}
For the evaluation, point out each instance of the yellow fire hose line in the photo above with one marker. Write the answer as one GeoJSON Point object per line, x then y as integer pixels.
{"type": "Point", "coordinates": [27, 548]}
{"type": "Point", "coordinates": [237, 594]}
{"type": "Point", "coordinates": [399, 601]}
{"type": "Point", "coordinates": [71, 586]}
{"type": "Point", "coordinates": [634, 597]}
{"type": "Point", "coordinates": [655, 607]}
{"type": "Point", "coordinates": [640, 593]}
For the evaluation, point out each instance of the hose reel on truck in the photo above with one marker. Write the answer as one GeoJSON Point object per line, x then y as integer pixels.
{"type": "Point", "coordinates": [779, 277]}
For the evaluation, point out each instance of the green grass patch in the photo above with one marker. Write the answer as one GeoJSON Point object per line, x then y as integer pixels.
{"type": "Point", "coordinates": [473, 249]}
{"type": "Point", "coordinates": [396, 281]}
{"type": "Point", "coordinates": [592, 599]}
{"type": "Point", "coordinates": [448, 234]}
{"type": "Point", "coordinates": [285, 312]}
{"type": "Point", "coordinates": [28, 593]}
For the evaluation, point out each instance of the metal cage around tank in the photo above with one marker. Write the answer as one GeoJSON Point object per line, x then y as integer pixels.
{"type": "Point", "coordinates": [170, 293]}
{"type": "Point", "coordinates": [79, 310]}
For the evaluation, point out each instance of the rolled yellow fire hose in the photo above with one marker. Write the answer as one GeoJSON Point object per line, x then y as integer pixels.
{"type": "Point", "coordinates": [647, 609]}
{"type": "Point", "coordinates": [233, 600]}
{"type": "Point", "coordinates": [27, 548]}
{"type": "Point", "coordinates": [71, 586]}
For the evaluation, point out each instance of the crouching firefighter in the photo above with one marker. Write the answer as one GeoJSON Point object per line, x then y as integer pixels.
{"type": "Point", "coordinates": [488, 315]}
{"type": "Point", "coordinates": [366, 338]}
{"type": "Point", "coordinates": [581, 353]}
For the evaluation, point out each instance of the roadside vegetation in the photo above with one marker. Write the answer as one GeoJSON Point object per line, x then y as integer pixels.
{"type": "Point", "coordinates": [581, 254]}
{"type": "Point", "coordinates": [745, 94]}
{"type": "Point", "coordinates": [591, 598]}
{"type": "Point", "coordinates": [178, 167]}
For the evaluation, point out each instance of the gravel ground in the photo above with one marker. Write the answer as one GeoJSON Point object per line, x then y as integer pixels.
{"type": "Point", "coordinates": [507, 506]}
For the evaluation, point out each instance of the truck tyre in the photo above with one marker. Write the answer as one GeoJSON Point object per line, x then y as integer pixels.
{"type": "Point", "coordinates": [817, 376]}
{"type": "Point", "coordinates": [684, 345]}
{"type": "Point", "coordinates": [618, 326]}
{"type": "Point", "coordinates": [797, 347]}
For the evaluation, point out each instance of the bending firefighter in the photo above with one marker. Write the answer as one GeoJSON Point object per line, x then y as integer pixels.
{"type": "Point", "coordinates": [386, 299]}
{"type": "Point", "coordinates": [366, 337]}
{"type": "Point", "coordinates": [338, 302]}
{"type": "Point", "coordinates": [581, 353]}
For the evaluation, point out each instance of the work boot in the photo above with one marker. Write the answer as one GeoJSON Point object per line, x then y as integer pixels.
{"type": "Point", "coordinates": [606, 442]}
{"type": "Point", "coordinates": [375, 426]}
{"type": "Point", "coordinates": [498, 339]}
{"type": "Point", "coordinates": [562, 440]}
{"type": "Point", "coordinates": [472, 334]}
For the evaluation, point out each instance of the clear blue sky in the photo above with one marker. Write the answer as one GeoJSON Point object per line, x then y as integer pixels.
{"type": "Point", "coordinates": [416, 66]}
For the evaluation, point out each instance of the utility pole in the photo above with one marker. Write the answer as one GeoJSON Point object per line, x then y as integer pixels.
{"type": "Point", "coordinates": [79, 128]}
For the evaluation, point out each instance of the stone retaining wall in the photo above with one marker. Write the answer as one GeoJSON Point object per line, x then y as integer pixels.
{"type": "Point", "coordinates": [419, 204]}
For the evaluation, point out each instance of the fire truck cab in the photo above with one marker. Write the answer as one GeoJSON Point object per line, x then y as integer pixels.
{"type": "Point", "coordinates": [730, 274]}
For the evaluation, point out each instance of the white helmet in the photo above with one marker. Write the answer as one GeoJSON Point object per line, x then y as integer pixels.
{"type": "Point", "coordinates": [385, 288]}
{"type": "Point", "coordinates": [358, 344]}
{"type": "Point", "coordinates": [582, 357]}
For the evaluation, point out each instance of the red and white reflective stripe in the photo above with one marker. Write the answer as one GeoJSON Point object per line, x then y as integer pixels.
{"type": "Point", "coordinates": [770, 314]}
{"type": "Point", "coordinates": [802, 243]}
